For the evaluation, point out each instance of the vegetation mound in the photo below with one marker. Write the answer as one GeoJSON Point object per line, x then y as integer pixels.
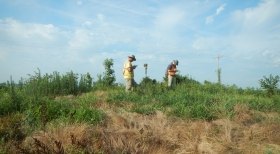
{"type": "Point", "coordinates": [59, 114]}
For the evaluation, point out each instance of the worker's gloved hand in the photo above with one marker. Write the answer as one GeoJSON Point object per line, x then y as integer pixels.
{"type": "Point", "coordinates": [134, 66]}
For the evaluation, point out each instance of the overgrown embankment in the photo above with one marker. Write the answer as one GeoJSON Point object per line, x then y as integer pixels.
{"type": "Point", "coordinates": [192, 118]}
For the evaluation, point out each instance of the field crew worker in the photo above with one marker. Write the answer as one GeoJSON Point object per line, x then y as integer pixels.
{"type": "Point", "coordinates": [128, 73]}
{"type": "Point", "coordinates": [171, 73]}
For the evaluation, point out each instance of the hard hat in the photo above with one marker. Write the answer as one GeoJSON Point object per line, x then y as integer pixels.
{"type": "Point", "coordinates": [132, 57]}
{"type": "Point", "coordinates": [175, 62]}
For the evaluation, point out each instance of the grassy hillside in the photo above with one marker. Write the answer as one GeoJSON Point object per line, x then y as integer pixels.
{"type": "Point", "coordinates": [59, 114]}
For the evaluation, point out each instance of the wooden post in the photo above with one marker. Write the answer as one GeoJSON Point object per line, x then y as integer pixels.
{"type": "Point", "coordinates": [146, 67]}
{"type": "Point", "coordinates": [219, 70]}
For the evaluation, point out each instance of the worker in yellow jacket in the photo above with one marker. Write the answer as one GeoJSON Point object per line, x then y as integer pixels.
{"type": "Point", "coordinates": [171, 73]}
{"type": "Point", "coordinates": [128, 73]}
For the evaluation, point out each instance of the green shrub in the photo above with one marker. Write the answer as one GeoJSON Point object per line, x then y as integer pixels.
{"type": "Point", "coordinates": [58, 109]}
{"type": "Point", "coordinates": [55, 84]}
{"type": "Point", "coordinates": [180, 110]}
{"type": "Point", "coordinates": [264, 104]}
{"type": "Point", "coordinates": [228, 108]}
{"type": "Point", "coordinates": [5, 104]}
{"type": "Point", "coordinates": [121, 96]}
{"type": "Point", "coordinates": [11, 100]}
{"type": "Point", "coordinates": [144, 109]}
{"type": "Point", "coordinates": [35, 98]}
{"type": "Point", "coordinates": [85, 114]}
{"type": "Point", "coordinates": [43, 110]}
{"type": "Point", "coordinates": [202, 111]}
{"type": "Point", "coordinates": [270, 84]}
{"type": "Point", "coordinates": [86, 99]}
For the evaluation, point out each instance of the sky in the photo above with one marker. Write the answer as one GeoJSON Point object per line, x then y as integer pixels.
{"type": "Point", "coordinates": [78, 35]}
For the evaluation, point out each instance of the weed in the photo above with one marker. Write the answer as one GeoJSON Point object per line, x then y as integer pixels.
{"type": "Point", "coordinates": [92, 116]}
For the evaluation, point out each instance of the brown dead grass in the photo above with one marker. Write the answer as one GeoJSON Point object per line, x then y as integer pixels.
{"type": "Point", "coordinates": [126, 132]}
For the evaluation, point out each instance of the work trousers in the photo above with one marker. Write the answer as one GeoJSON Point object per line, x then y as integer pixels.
{"type": "Point", "coordinates": [171, 81]}
{"type": "Point", "coordinates": [129, 84]}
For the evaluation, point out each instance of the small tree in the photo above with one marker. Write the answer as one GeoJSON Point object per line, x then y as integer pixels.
{"type": "Point", "coordinates": [147, 81]}
{"type": "Point", "coordinates": [270, 83]}
{"type": "Point", "coordinates": [85, 83]}
{"type": "Point", "coordinates": [109, 76]}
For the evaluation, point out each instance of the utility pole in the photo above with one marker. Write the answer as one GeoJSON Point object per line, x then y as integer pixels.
{"type": "Point", "coordinates": [146, 67]}
{"type": "Point", "coordinates": [219, 70]}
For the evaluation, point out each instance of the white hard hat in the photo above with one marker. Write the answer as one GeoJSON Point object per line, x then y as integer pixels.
{"type": "Point", "coordinates": [175, 62]}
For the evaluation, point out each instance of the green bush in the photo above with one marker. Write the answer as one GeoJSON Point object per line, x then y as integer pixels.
{"type": "Point", "coordinates": [5, 104]}
{"type": "Point", "coordinates": [85, 114]}
{"type": "Point", "coordinates": [55, 84]}
{"type": "Point", "coordinates": [146, 109]}
{"type": "Point", "coordinates": [36, 98]}
{"type": "Point", "coordinates": [265, 104]}
{"type": "Point", "coordinates": [180, 110]}
{"type": "Point", "coordinates": [11, 100]}
{"type": "Point", "coordinates": [270, 84]}
{"type": "Point", "coordinates": [43, 110]}
{"type": "Point", "coordinates": [202, 111]}
{"type": "Point", "coordinates": [58, 109]}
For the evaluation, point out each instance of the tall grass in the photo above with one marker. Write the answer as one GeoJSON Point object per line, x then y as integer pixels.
{"type": "Point", "coordinates": [40, 100]}
{"type": "Point", "coordinates": [55, 84]}
{"type": "Point", "coordinates": [190, 99]}
{"type": "Point", "coordinates": [193, 100]}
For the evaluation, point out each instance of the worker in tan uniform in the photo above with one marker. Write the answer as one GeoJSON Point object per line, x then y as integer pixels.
{"type": "Point", "coordinates": [171, 73]}
{"type": "Point", "coordinates": [128, 73]}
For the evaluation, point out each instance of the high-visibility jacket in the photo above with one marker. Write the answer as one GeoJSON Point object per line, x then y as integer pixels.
{"type": "Point", "coordinates": [171, 70]}
{"type": "Point", "coordinates": [128, 70]}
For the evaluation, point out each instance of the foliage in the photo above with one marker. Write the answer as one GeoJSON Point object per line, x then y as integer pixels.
{"type": "Point", "coordinates": [270, 83]}
{"type": "Point", "coordinates": [85, 114]}
{"type": "Point", "coordinates": [184, 79]}
{"type": "Point", "coordinates": [190, 99]}
{"type": "Point", "coordinates": [109, 76]}
{"type": "Point", "coordinates": [10, 99]}
{"type": "Point", "coordinates": [147, 81]}
{"type": "Point", "coordinates": [150, 87]}
{"type": "Point", "coordinates": [36, 99]}
{"type": "Point", "coordinates": [55, 84]}
{"type": "Point", "coordinates": [44, 110]}
{"type": "Point", "coordinates": [41, 99]}
{"type": "Point", "coordinates": [85, 83]}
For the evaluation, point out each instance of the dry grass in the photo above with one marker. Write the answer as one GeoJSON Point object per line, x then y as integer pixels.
{"type": "Point", "coordinates": [126, 132]}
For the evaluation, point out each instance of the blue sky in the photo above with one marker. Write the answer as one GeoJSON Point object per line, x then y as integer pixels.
{"type": "Point", "coordinates": [78, 35]}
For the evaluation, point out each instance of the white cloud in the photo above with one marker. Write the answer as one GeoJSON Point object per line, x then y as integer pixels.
{"type": "Point", "coordinates": [100, 17]}
{"type": "Point", "coordinates": [210, 19]}
{"type": "Point", "coordinates": [256, 30]}
{"type": "Point", "coordinates": [276, 61]}
{"type": "Point", "coordinates": [258, 17]}
{"type": "Point", "coordinates": [209, 44]}
{"type": "Point", "coordinates": [220, 9]}
{"type": "Point", "coordinates": [169, 18]}
{"type": "Point", "coordinates": [80, 40]}
{"type": "Point", "coordinates": [28, 31]}
{"type": "Point", "coordinates": [34, 41]}
{"type": "Point", "coordinates": [87, 23]}
{"type": "Point", "coordinates": [79, 2]}
{"type": "Point", "coordinates": [155, 33]}
{"type": "Point", "coordinates": [273, 55]}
